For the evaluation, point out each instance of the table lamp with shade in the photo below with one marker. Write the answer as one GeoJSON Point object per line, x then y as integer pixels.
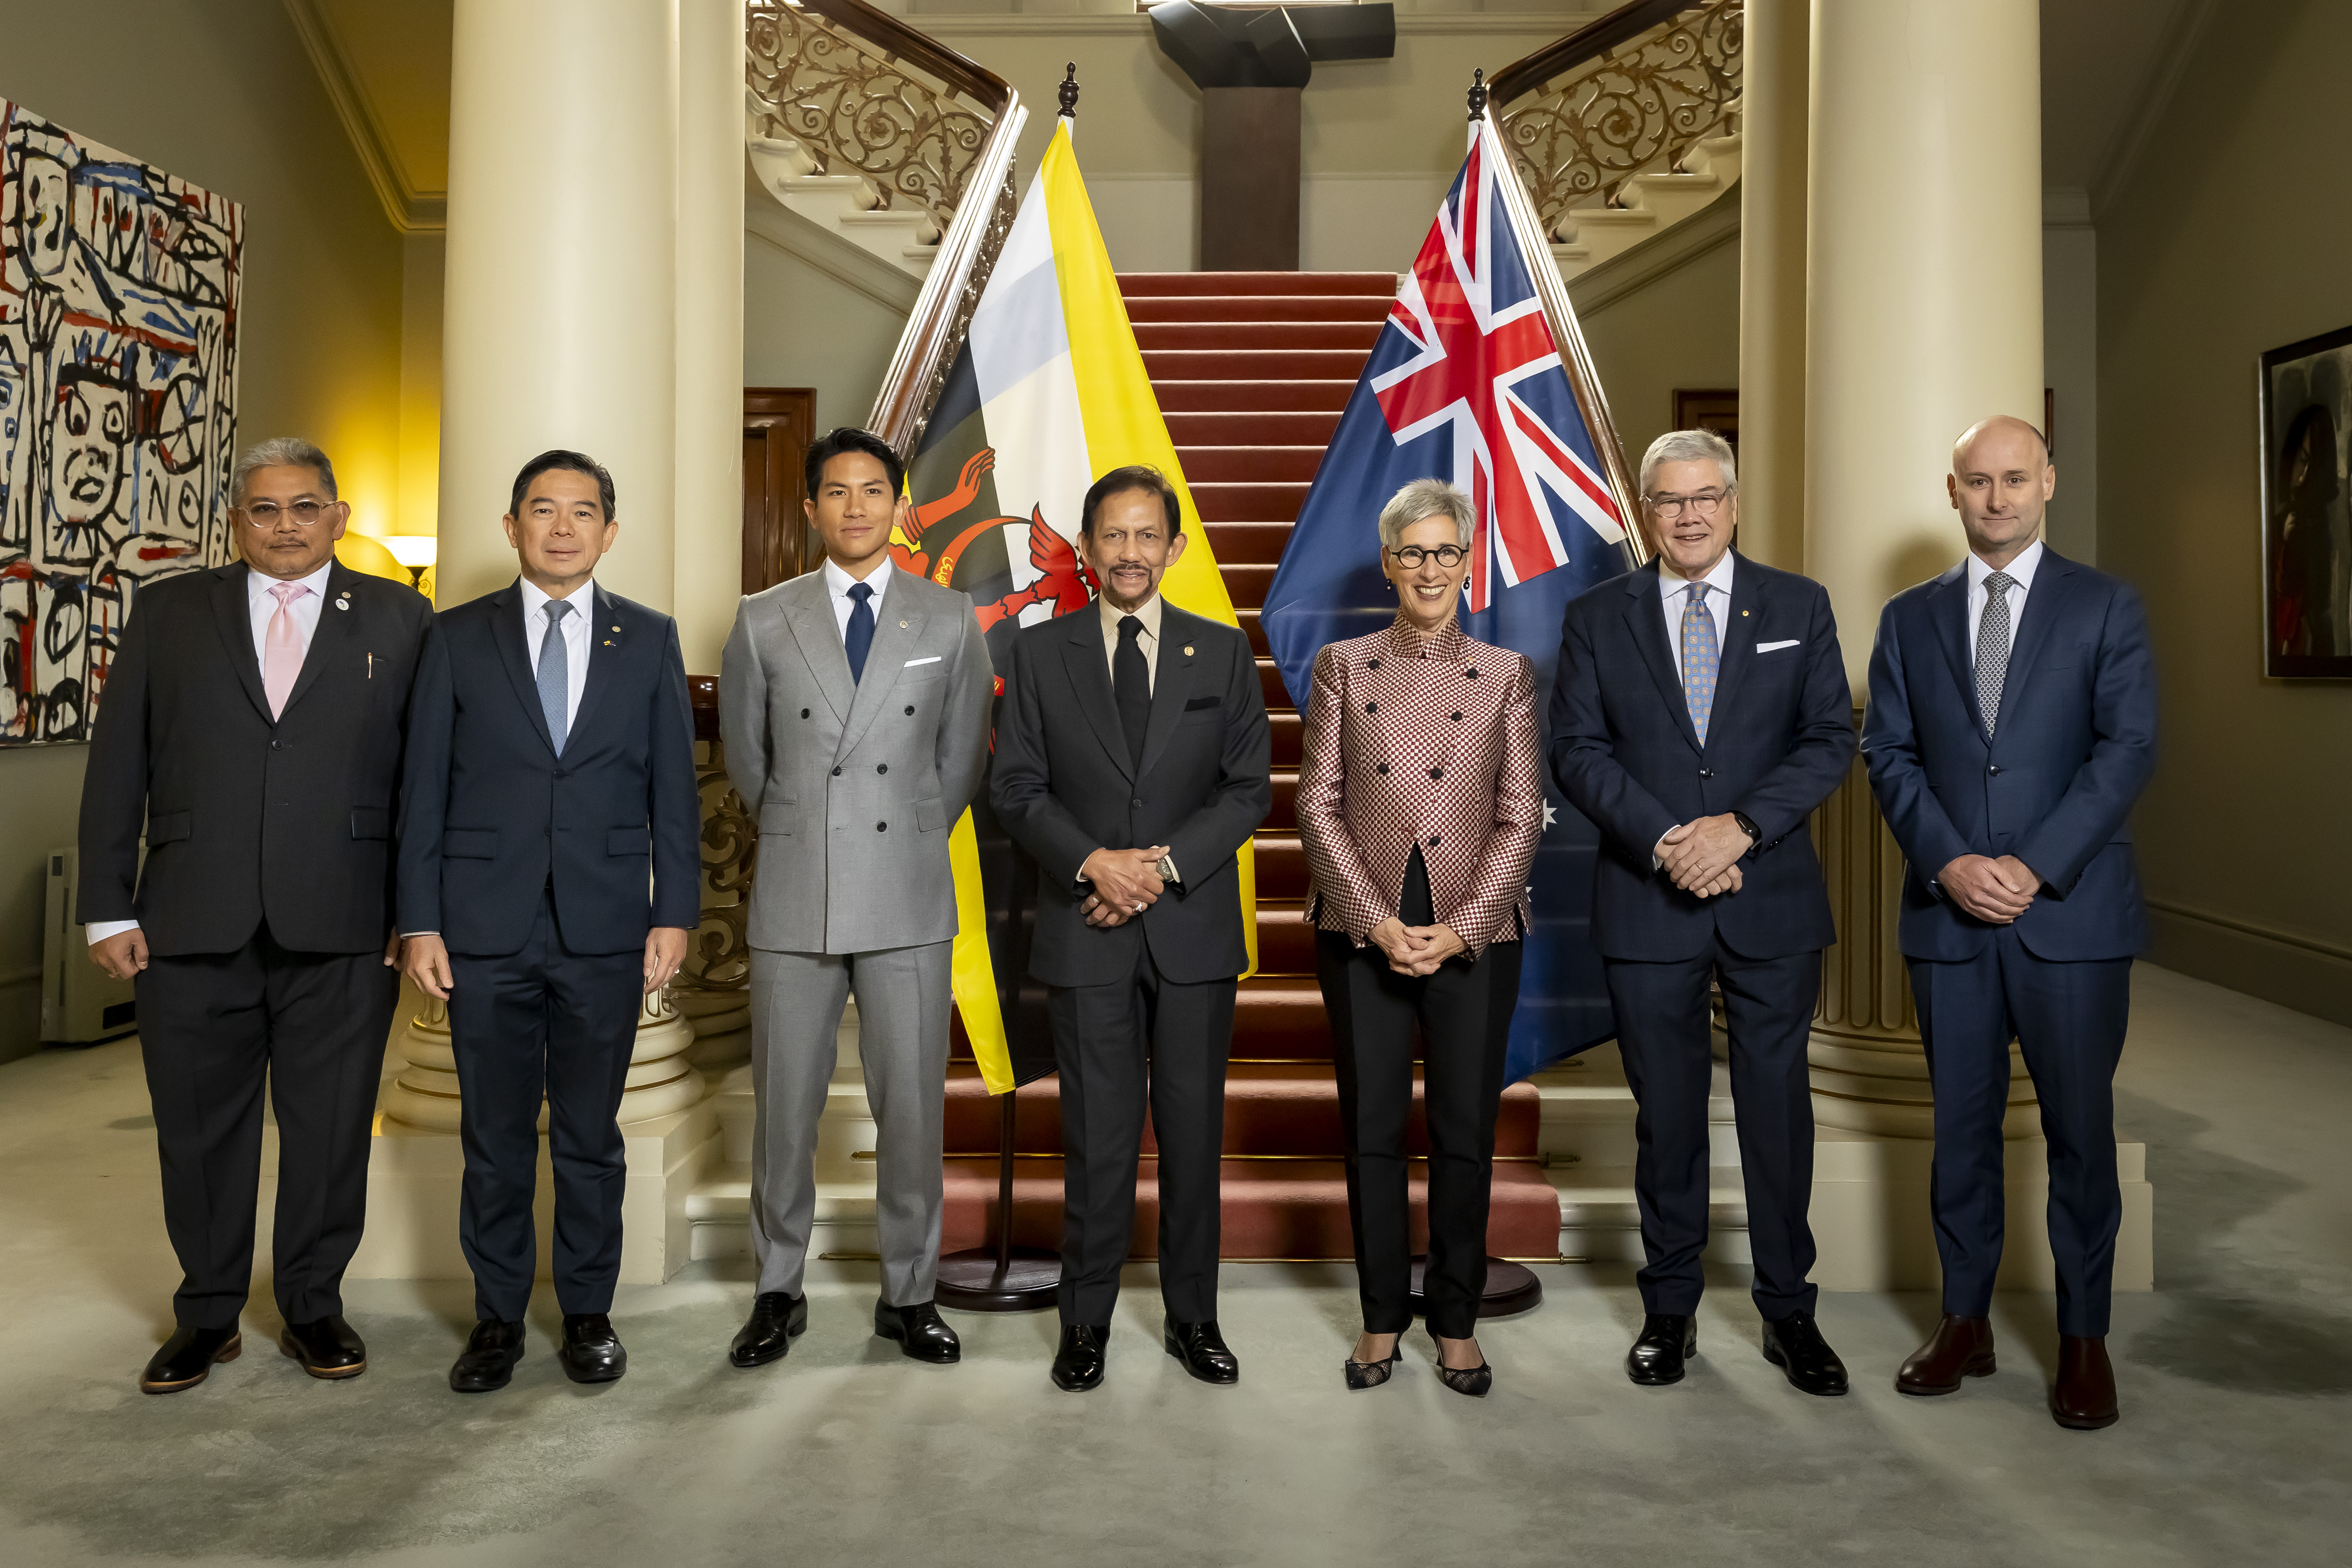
{"type": "Point", "coordinates": [414, 551]}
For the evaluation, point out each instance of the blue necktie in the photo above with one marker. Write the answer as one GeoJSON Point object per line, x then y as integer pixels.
{"type": "Point", "coordinates": [1701, 659]}
{"type": "Point", "coordinates": [859, 635]}
{"type": "Point", "coordinates": [555, 673]}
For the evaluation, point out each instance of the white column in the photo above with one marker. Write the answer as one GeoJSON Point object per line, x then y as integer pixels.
{"type": "Point", "coordinates": [708, 529]}
{"type": "Point", "coordinates": [1923, 314]}
{"type": "Point", "coordinates": [1772, 219]}
{"type": "Point", "coordinates": [559, 325]}
{"type": "Point", "coordinates": [1924, 304]}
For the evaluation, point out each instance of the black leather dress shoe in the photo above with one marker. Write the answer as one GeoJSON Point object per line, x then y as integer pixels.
{"type": "Point", "coordinates": [592, 1352]}
{"type": "Point", "coordinates": [187, 1358]}
{"type": "Point", "coordinates": [1667, 1340]}
{"type": "Point", "coordinates": [776, 1318]}
{"type": "Point", "coordinates": [325, 1346]}
{"type": "Point", "coordinates": [1079, 1364]}
{"type": "Point", "coordinates": [920, 1332]}
{"type": "Point", "coordinates": [488, 1361]}
{"type": "Point", "coordinates": [1202, 1351]}
{"type": "Point", "coordinates": [1795, 1346]}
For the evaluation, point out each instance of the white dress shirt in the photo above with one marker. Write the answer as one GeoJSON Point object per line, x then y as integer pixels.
{"type": "Point", "coordinates": [1674, 595]}
{"type": "Point", "coordinates": [2021, 571]}
{"type": "Point", "coordinates": [838, 584]}
{"type": "Point", "coordinates": [579, 636]}
{"type": "Point", "coordinates": [1147, 639]}
{"type": "Point", "coordinates": [261, 605]}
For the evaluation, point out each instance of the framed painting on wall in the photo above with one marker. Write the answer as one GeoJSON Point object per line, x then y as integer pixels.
{"type": "Point", "coordinates": [2305, 399]}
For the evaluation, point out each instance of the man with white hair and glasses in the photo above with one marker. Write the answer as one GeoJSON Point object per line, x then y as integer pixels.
{"type": "Point", "coordinates": [253, 726]}
{"type": "Point", "coordinates": [1700, 713]}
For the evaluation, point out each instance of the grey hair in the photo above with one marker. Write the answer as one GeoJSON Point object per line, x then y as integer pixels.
{"type": "Point", "coordinates": [281, 452]}
{"type": "Point", "coordinates": [1691, 446]}
{"type": "Point", "coordinates": [1422, 499]}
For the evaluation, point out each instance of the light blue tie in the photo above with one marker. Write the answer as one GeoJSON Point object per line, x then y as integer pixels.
{"type": "Point", "coordinates": [1702, 659]}
{"type": "Point", "coordinates": [555, 673]}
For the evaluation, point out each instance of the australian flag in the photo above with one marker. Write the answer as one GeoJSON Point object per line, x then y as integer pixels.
{"type": "Point", "coordinates": [1465, 383]}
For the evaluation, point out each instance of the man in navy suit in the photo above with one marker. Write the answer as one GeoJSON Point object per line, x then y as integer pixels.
{"type": "Point", "coordinates": [2013, 724]}
{"type": "Point", "coordinates": [550, 750]}
{"type": "Point", "coordinates": [1700, 713]}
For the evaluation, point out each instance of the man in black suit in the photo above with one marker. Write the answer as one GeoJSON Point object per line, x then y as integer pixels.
{"type": "Point", "coordinates": [253, 725]}
{"type": "Point", "coordinates": [1132, 759]}
{"type": "Point", "coordinates": [1700, 713]}
{"type": "Point", "coordinates": [550, 750]}
{"type": "Point", "coordinates": [2012, 724]}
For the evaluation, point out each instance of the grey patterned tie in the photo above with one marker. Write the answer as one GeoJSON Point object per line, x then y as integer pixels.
{"type": "Point", "coordinates": [1992, 647]}
{"type": "Point", "coordinates": [554, 672]}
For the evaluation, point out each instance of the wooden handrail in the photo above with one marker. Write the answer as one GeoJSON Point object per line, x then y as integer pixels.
{"type": "Point", "coordinates": [1590, 42]}
{"type": "Point", "coordinates": [897, 40]}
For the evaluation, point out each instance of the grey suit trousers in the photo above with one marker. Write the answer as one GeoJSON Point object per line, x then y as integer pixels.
{"type": "Point", "coordinates": [903, 1002]}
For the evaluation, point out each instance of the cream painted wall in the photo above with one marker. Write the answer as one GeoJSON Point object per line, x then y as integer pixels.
{"type": "Point", "coordinates": [1679, 331]}
{"type": "Point", "coordinates": [2243, 837]}
{"type": "Point", "coordinates": [2069, 364]}
{"type": "Point", "coordinates": [801, 328]}
{"type": "Point", "coordinates": [221, 92]}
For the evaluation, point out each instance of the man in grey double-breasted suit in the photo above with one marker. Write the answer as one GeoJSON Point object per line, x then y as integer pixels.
{"type": "Point", "coordinates": [854, 704]}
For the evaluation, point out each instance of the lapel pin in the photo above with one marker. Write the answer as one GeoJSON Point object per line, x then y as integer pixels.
{"type": "Point", "coordinates": [1188, 650]}
{"type": "Point", "coordinates": [902, 626]}
{"type": "Point", "coordinates": [616, 630]}
{"type": "Point", "coordinates": [1743, 615]}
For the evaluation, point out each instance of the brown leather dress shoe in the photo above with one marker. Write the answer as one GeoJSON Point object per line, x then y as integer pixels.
{"type": "Point", "coordinates": [2083, 1400]}
{"type": "Point", "coordinates": [1961, 1347]}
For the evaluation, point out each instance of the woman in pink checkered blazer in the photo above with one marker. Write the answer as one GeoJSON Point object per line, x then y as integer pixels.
{"type": "Point", "coordinates": [1421, 799]}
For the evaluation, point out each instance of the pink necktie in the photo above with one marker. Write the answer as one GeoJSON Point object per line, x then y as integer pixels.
{"type": "Point", "coordinates": [281, 656]}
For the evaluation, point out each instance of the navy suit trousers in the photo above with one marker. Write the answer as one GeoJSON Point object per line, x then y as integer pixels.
{"type": "Point", "coordinates": [1662, 1037]}
{"type": "Point", "coordinates": [2068, 1018]}
{"type": "Point", "coordinates": [544, 1020]}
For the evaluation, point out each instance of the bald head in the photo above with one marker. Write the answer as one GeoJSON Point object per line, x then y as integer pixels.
{"type": "Point", "coordinates": [2000, 484]}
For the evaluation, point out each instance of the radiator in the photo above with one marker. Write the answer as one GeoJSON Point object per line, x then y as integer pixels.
{"type": "Point", "coordinates": [81, 1004]}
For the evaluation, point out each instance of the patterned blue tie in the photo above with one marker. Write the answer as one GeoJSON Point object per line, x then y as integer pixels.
{"type": "Point", "coordinates": [1702, 659]}
{"type": "Point", "coordinates": [859, 635]}
{"type": "Point", "coordinates": [555, 673]}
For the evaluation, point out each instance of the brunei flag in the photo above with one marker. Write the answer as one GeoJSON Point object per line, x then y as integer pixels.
{"type": "Point", "coordinates": [1047, 394]}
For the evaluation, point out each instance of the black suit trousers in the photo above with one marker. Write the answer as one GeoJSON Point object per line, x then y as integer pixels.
{"type": "Point", "coordinates": [544, 1020]}
{"type": "Point", "coordinates": [1102, 1035]}
{"type": "Point", "coordinates": [2068, 1018]}
{"type": "Point", "coordinates": [1461, 1018]}
{"type": "Point", "coordinates": [1662, 1037]}
{"type": "Point", "coordinates": [213, 1027]}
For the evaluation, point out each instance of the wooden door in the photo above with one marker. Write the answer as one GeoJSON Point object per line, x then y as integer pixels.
{"type": "Point", "coordinates": [778, 424]}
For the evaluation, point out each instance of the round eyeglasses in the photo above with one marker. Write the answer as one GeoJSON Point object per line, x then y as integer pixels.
{"type": "Point", "coordinates": [265, 514]}
{"type": "Point", "coordinates": [1447, 555]}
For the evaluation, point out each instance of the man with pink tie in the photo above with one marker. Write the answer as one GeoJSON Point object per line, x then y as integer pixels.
{"type": "Point", "coordinates": [253, 726]}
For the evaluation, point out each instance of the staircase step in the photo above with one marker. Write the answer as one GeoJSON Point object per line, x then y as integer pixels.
{"type": "Point", "coordinates": [1269, 676]}
{"type": "Point", "coordinates": [1285, 942]}
{"type": "Point", "coordinates": [1159, 284]}
{"type": "Point", "coordinates": [1271, 1209]}
{"type": "Point", "coordinates": [1271, 1108]}
{"type": "Point", "coordinates": [1281, 865]}
{"type": "Point", "coordinates": [1280, 1018]}
{"type": "Point", "coordinates": [1251, 628]}
{"type": "Point", "coordinates": [1373, 308]}
{"type": "Point", "coordinates": [1242, 544]}
{"type": "Point", "coordinates": [1251, 501]}
{"type": "Point", "coordinates": [1254, 364]}
{"type": "Point", "coordinates": [1191, 430]}
{"type": "Point", "coordinates": [1213, 464]}
{"type": "Point", "coordinates": [1249, 583]}
{"type": "Point", "coordinates": [1356, 336]}
{"type": "Point", "coordinates": [1282, 395]}
{"type": "Point", "coordinates": [1284, 816]}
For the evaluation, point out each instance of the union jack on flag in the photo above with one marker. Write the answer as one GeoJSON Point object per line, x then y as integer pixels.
{"type": "Point", "coordinates": [1465, 383]}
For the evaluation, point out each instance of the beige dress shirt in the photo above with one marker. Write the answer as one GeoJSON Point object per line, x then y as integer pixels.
{"type": "Point", "coordinates": [1147, 639]}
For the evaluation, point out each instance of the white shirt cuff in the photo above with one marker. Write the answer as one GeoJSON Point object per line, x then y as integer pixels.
{"type": "Point", "coordinates": [99, 930]}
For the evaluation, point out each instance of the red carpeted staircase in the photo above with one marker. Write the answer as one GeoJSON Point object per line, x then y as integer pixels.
{"type": "Point", "coordinates": [1252, 369]}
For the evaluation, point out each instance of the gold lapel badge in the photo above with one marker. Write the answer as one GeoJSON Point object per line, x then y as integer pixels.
{"type": "Point", "coordinates": [1188, 650]}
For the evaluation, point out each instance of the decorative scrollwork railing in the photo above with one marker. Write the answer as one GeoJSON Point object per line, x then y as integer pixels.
{"type": "Point", "coordinates": [862, 92]}
{"type": "Point", "coordinates": [1632, 93]}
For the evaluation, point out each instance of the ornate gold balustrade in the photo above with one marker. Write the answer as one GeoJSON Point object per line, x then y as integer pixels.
{"type": "Point", "coordinates": [1632, 93]}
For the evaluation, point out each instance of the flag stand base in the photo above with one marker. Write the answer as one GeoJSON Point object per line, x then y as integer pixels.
{"type": "Point", "coordinates": [1510, 1287]}
{"type": "Point", "coordinates": [1002, 1278]}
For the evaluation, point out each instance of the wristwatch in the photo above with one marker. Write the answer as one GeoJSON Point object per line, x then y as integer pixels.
{"type": "Point", "coordinates": [1747, 826]}
{"type": "Point", "coordinates": [1166, 870]}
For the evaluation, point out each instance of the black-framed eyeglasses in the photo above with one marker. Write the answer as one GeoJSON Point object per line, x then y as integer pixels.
{"type": "Point", "coordinates": [265, 514]}
{"type": "Point", "coordinates": [1705, 503]}
{"type": "Point", "coordinates": [1447, 555]}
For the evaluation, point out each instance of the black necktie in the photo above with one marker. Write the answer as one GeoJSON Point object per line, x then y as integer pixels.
{"type": "Point", "coordinates": [1131, 682]}
{"type": "Point", "coordinates": [859, 635]}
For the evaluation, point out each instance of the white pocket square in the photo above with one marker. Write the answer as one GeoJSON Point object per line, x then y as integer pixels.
{"type": "Point", "coordinates": [1776, 647]}
{"type": "Point", "coordinates": [934, 659]}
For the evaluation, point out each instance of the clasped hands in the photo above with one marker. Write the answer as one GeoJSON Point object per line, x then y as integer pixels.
{"type": "Point", "coordinates": [1126, 884]}
{"type": "Point", "coordinates": [1703, 857]}
{"type": "Point", "coordinates": [1995, 891]}
{"type": "Point", "coordinates": [1416, 950]}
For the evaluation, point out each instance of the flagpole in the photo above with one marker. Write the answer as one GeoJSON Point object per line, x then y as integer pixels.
{"type": "Point", "coordinates": [1575, 358]}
